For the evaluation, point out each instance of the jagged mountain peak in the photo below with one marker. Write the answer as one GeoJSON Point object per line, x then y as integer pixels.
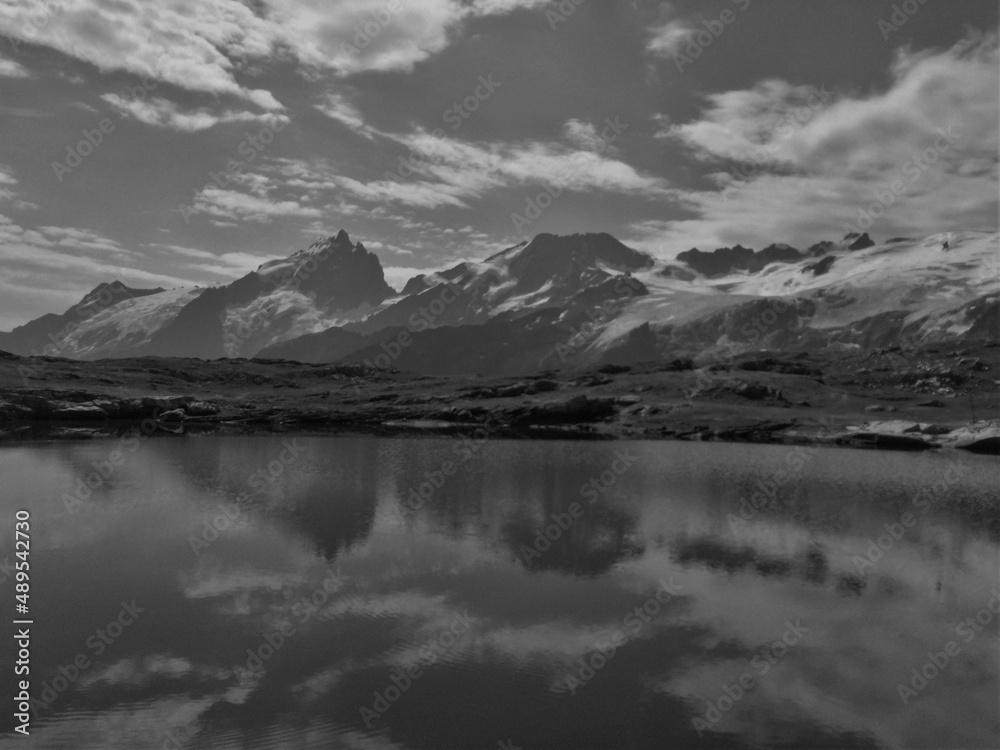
{"type": "Point", "coordinates": [543, 291]}
{"type": "Point", "coordinates": [726, 260]}
{"type": "Point", "coordinates": [113, 290]}
{"type": "Point", "coordinates": [589, 249]}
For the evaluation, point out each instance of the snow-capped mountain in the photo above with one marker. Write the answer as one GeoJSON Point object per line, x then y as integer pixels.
{"type": "Point", "coordinates": [331, 283]}
{"type": "Point", "coordinates": [48, 334]}
{"type": "Point", "coordinates": [578, 301]}
{"type": "Point", "coordinates": [553, 302]}
{"type": "Point", "coordinates": [939, 288]}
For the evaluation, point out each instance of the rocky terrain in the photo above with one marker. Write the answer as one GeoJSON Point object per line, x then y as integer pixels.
{"type": "Point", "coordinates": [925, 398]}
{"type": "Point", "coordinates": [852, 342]}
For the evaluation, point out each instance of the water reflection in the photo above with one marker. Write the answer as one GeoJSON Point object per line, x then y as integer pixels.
{"type": "Point", "coordinates": [319, 614]}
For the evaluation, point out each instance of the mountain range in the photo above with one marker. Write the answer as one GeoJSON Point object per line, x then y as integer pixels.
{"type": "Point", "coordinates": [552, 303]}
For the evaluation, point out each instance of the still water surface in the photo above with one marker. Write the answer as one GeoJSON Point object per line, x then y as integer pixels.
{"type": "Point", "coordinates": [326, 614]}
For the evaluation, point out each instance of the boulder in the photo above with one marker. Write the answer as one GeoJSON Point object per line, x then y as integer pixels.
{"type": "Point", "coordinates": [578, 409]}
{"type": "Point", "coordinates": [629, 400]}
{"type": "Point", "coordinates": [90, 411]}
{"type": "Point", "coordinates": [201, 409]}
{"type": "Point", "coordinates": [876, 408]}
{"type": "Point", "coordinates": [614, 369]}
{"type": "Point", "coordinates": [980, 437]}
{"type": "Point", "coordinates": [759, 392]}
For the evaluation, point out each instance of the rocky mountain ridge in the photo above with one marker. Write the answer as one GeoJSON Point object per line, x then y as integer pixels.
{"type": "Point", "coordinates": [554, 302]}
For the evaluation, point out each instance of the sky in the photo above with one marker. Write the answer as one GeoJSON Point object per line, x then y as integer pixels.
{"type": "Point", "coordinates": [184, 142]}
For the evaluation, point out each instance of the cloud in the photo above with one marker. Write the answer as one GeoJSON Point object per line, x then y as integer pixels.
{"type": "Point", "coordinates": [795, 164]}
{"type": "Point", "coordinates": [194, 44]}
{"type": "Point", "coordinates": [6, 177]}
{"type": "Point", "coordinates": [208, 45]}
{"type": "Point", "coordinates": [336, 107]}
{"type": "Point", "coordinates": [46, 269]}
{"type": "Point", "coordinates": [230, 204]}
{"type": "Point", "coordinates": [8, 195]}
{"type": "Point", "coordinates": [83, 239]}
{"type": "Point", "coordinates": [667, 39]}
{"type": "Point", "coordinates": [397, 276]}
{"type": "Point", "coordinates": [12, 69]}
{"type": "Point", "coordinates": [442, 171]}
{"type": "Point", "coordinates": [167, 114]}
{"type": "Point", "coordinates": [475, 168]}
{"type": "Point", "coordinates": [353, 36]}
{"type": "Point", "coordinates": [755, 123]}
{"type": "Point", "coordinates": [227, 265]}
{"type": "Point", "coordinates": [587, 136]}
{"type": "Point", "coordinates": [411, 193]}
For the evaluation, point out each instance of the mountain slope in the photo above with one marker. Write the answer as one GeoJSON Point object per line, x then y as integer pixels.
{"type": "Point", "coordinates": [47, 334]}
{"type": "Point", "coordinates": [555, 302]}
{"type": "Point", "coordinates": [332, 282]}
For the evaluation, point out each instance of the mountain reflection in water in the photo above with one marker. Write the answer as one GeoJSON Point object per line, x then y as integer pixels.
{"type": "Point", "coordinates": [337, 607]}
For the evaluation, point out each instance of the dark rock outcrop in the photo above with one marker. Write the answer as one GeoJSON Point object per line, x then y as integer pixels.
{"type": "Point", "coordinates": [862, 242]}
{"type": "Point", "coordinates": [726, 260]}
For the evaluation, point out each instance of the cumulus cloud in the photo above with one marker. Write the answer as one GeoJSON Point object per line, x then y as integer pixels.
{"type": "Point", "coordinates": [167, 114]}
{"type": "Point", "coordinates": [6, 177]}
{"type": "Point", "coordinates": [208, 45]}
{"type": "Point", "coordinates": [352, 36]}
{"type": "Point", "coordinates": [797, 164]}
{"type": "Point", "coordinates": [194, 44]}
{"type": "Point", "coordinates": [667, 40]}
{"type": "Point", "coordinates": [12, 69]}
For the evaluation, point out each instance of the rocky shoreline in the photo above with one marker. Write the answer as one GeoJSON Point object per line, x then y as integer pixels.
{"type": "Point", "coordinates": [791, 401]}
